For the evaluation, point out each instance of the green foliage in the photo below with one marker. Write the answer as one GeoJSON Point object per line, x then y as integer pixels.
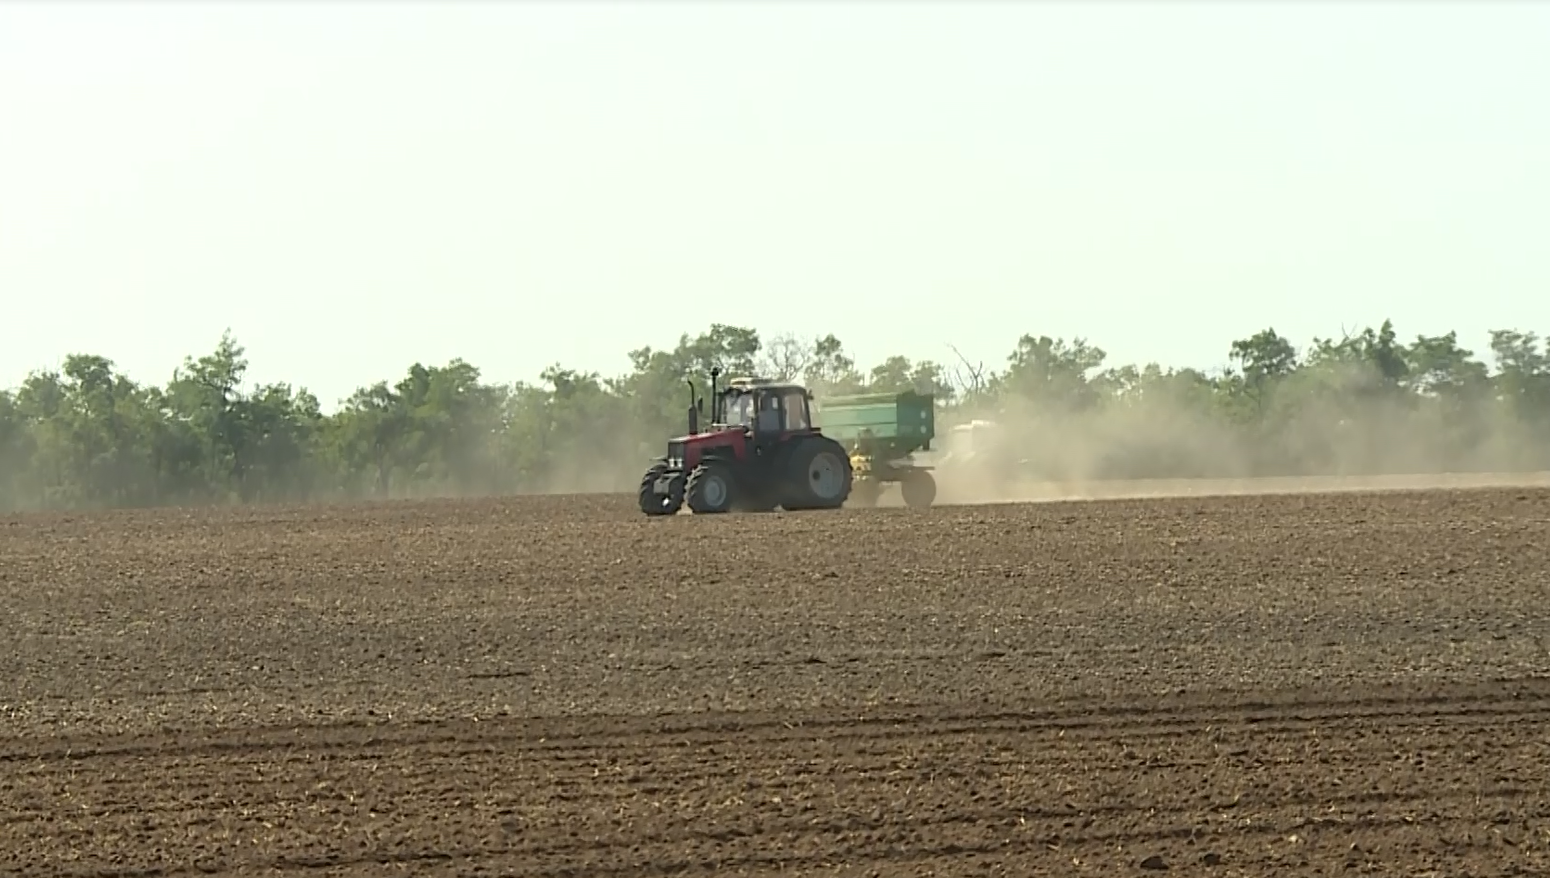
{"type": "Point", "coordinates": [88, 436]}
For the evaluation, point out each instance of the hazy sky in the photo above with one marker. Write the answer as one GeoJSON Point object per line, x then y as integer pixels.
{"type": "Point", "coordinates": [352, 186]}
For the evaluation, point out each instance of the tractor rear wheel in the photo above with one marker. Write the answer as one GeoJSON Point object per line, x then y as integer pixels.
{"type": "Point", "coordinates": [817, 475]}
{"type": "Point", "coordinates": [918, 488]}
{"type": "Point", "coordinates": [653, 503]}
{"type": "Point", "coordinates": [709, 490]}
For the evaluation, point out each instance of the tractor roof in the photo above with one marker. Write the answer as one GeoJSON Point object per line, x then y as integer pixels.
{"type": "Point", "coordinates": [762, 383]}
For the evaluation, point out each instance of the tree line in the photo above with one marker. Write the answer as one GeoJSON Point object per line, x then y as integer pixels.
{"type": "Point", "coordinates": [89, 436]}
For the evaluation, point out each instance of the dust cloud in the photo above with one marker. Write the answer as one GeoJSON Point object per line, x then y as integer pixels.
{"type": "Point", "coordinates": [1161, 450]}
{"type": "Point", "coordinates": [573, 474]}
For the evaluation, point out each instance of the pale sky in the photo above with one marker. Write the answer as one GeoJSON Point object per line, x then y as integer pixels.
{"type": "Point", "coordinates": [353, 186]}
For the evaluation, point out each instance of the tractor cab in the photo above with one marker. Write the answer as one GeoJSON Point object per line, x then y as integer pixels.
{"type": "Point", "coordinates": [765, 408]}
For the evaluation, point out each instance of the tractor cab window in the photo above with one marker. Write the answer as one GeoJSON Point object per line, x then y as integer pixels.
{"type": "Point", "coordinates": [796, 410]}
{"type": "Point", "coordinates": [739, 411]}
{"type": "Point", "coordinates": [769, 412]}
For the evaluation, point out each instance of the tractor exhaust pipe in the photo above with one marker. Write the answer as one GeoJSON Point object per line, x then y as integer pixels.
{"type": "Point", "coordinates": [715, 398]}
{"type": "Point", "coordinates": [694, 409]}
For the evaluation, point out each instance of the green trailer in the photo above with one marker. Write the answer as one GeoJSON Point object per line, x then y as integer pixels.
{"type": "Point", "coordinates": [881, 431]}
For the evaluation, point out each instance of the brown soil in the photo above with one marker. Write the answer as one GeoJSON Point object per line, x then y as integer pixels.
{"type": "Point", "coordinates": [1251, 685]}
{"type": "Point", "coordinates": [961, 487]}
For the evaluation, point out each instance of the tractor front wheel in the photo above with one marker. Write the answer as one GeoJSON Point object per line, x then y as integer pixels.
{"type": "Point", "coordinates": [709, 490]}
{"type": "Point", "coordinates": [654, 503]}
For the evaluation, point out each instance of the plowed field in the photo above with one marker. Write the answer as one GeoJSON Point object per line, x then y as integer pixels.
{"type": "Point", "coordinates": [1309, 684]}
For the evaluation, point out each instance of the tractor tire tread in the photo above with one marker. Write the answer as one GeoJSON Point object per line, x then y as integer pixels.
{"type": "Point", "coordinates": [652, 503]}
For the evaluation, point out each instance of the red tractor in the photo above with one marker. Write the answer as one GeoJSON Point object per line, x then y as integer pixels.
{"type": "Point", "coordinates": [760, 451]}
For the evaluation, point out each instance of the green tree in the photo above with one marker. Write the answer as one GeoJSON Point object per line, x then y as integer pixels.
{"type": "Point", "coordinates": [88, 436]}
{"type": "Point", "coordinates": [1052, 372]}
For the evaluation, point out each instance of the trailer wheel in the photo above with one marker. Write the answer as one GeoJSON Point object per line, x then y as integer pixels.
{"type": "Point", "coordinates": [918, 488]}
{"type": "Point", "coordinates": [709, 490]}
